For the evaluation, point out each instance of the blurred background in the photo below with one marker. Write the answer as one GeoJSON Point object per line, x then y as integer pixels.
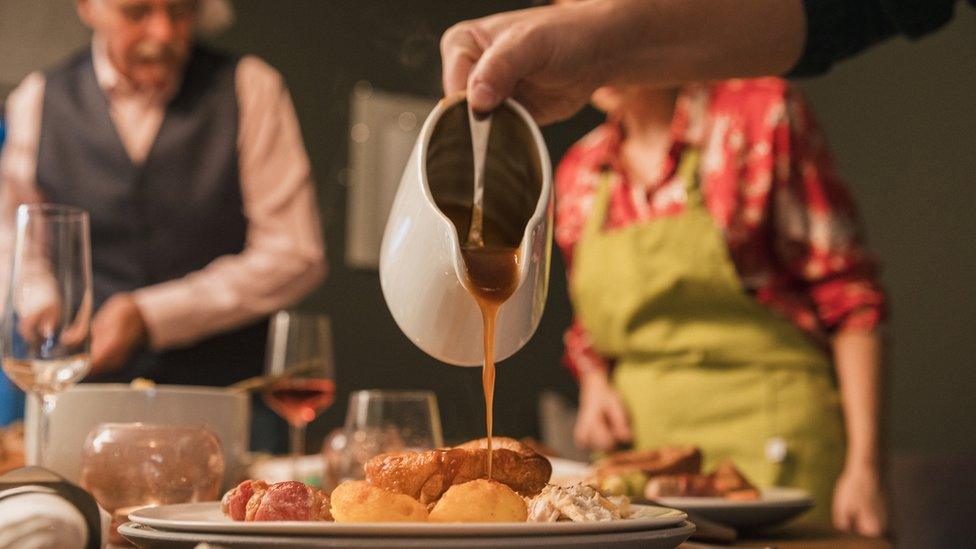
{"type": "Point", "coordinates": [901, 121]}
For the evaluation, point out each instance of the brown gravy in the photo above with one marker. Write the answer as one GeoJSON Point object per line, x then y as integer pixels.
{"type": "Point", "coordinates": [492, 276]}
{"type": "Point", "coordinates": [513, 187]}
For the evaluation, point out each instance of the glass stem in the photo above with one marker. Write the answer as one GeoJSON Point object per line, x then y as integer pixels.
{"type": "Point", "coordinates": [43, 439]}
{"type": "Point", "coordinates": [296, 443]}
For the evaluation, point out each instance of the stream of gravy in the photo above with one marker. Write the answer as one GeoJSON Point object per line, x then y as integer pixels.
{"type": "Point", "coordinates": [493, 276]}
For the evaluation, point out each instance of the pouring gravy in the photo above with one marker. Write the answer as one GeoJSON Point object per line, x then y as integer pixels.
{"type": "Point", "coordinates": [493, 276]}
{"type": "Point", "coordinates": [513, 183]}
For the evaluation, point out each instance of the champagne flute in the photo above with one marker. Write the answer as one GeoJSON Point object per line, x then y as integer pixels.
{"type": "Point", "coordinates": [300, 353]}
{"type": "Point", "coordinates": [47, 313]}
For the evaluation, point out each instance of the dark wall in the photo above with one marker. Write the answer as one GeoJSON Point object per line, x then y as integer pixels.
{"type": "Point", "coordinates": [323, 49]}
{"type": "Point", "coordinates": [901, 120]}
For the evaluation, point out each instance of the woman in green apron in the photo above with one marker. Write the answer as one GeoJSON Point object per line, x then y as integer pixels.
{"type": "Point", "coordinates": [721, 291]}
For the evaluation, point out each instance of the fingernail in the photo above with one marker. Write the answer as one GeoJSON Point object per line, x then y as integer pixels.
{"type": "Point", "coordinates": [483, 95]}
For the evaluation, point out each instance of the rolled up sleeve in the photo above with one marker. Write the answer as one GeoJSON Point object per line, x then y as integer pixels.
{"type": "Point", "coordinates": [283, 259]}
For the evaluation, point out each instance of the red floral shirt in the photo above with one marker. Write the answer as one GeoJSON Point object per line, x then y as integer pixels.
{"type": "Point", "coordinates": [769, 184]}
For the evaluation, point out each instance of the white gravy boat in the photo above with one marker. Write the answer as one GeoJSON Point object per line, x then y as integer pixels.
{"type": "Point", "coordinates": [421, 269]}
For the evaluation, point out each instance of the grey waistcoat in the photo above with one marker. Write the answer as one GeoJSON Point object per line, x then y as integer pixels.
{"type": "Point", "coordinates": [161, 220]}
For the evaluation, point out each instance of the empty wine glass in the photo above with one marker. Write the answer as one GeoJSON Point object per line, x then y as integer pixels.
{"type": "Point", "coordinates": [47, 312]}
{"type": "Point", "coordinates": [384, 421]}
{"type": "Point", "coordinates": [300, 354]}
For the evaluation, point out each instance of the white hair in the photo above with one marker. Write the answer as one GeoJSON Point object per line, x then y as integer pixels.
{"type": "Point", "coordinates": [215, 17]}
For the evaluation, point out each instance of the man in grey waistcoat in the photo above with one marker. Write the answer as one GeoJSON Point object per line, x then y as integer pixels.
{"type": "Point", "coordinates": [192, 167]}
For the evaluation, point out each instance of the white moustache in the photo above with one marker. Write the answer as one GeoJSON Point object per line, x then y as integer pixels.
{"type": "Point", "coordinates": [152, 52]}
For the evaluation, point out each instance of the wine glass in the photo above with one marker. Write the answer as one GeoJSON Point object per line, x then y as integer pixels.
{"type": "Point", "coordinates": [383, 421]}
{"type": "Point", "coordinates": [47, 312]}
{"type": "Point", "coordinates": [300, 355]}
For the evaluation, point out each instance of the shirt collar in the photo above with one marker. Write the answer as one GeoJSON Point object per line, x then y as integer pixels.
{"type": "Point", "coordinates": [601, 149]}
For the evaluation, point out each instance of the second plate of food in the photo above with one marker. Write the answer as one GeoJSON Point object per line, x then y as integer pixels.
{"type": "Point", "coordinates": [774, 506]}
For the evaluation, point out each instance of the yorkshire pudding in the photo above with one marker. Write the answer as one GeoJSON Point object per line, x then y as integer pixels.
{"type": "Point", "coordinates": [427, 475]}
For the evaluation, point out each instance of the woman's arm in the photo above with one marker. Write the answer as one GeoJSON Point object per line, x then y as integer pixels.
{"type": "Point", "coordinates": [857, 358]}
{"type": "Point", "coordinates": [858, 504]}
{"type": "Point", "coordinates": [818, 240]}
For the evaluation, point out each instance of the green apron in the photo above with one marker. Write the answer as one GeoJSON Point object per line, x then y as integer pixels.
{"type": "Point", "coordinates": [698, 361]}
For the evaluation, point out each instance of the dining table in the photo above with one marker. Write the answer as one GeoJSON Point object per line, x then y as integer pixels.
{"type": "Point", "coordinates": [794, 536]}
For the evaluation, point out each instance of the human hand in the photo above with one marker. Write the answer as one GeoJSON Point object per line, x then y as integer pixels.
{"type": "Point", "coordinates": [859, 505]}
{"type": "Point", "coordinates": [547, 58]}
{"type": "Point", "coordinates": [39, 324]}
{"type": "Point", "coordinates": [117, 331]}
{"type": "Point", "coordinates": [602, 422]}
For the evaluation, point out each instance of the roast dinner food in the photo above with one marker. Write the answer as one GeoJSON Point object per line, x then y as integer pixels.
{"type": "Point", "coordinates": [256, 500]}
{"type": "Point", "coordinates": [360, 501]}
{"type": "Point", "coordinates": [453, 485]}
{"type": "Point", "coordinates": [443, 485]}
{"type": "Point", "coordinates": [669, 472]}
{"type": "Point", "coordinates": [426, 476]}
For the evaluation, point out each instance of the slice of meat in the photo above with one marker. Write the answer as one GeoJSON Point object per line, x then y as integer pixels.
{"type": "Point", "coordinates": [663, 486]}
{"type": "Point", "coordinates": [254, 500]}
{"type": "Point", "coordinates": [234, 502]}
{"type": "Point", "coordinates": [427, 475]}
{"type": "Point", "coordinates": [667, 460]}
{"type": "Point", "coordinates": [731, 483]}
{"type": "Point", "coordinates": [289, 500]}
{"type": "Point", "coordinates": [725, 481]}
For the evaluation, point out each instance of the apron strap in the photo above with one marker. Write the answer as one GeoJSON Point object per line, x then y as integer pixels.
{"type": "Point", "coordinates": [601, 203]}
{"type": "Point", "coordinates": [688, 172]}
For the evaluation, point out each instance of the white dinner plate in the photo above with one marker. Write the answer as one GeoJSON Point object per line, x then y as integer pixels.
{"type": "Point", "coordinates": [146, 537]}
{"type": "Point", "coordinates": [206, 517]}
{"type": "Point", "coordinates": [774, 506]}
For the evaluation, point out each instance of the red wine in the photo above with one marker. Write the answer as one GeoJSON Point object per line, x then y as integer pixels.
{"type": "Point", "coordinates": [298, 401]}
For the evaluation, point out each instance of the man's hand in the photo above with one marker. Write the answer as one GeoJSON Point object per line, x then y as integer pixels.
{"type": "Point", "coordinates": [547, 58]}
{"type": "Point", "coordinates": [602, 422]}
{"type": "Point", "coordinates": [552, 58]}
{"type": "Point", "coordinates": [117, 332]}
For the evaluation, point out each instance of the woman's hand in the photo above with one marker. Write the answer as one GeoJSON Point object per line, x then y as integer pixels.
{"type": "Point", "coordinates": [602, 422]}
{"type": "Point", "coordinates": [859, 505]}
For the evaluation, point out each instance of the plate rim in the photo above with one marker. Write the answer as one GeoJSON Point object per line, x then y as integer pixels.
{"type": "Point", "coordinates": [784, 497]}
{"type": "Point", "coordinates": [682, 530]}
{"type": "Point", "coordinates": [144, 516]}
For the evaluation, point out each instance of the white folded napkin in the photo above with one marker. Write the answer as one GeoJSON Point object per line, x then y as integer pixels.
{"type": "Point", "coordinates": [36, 519]}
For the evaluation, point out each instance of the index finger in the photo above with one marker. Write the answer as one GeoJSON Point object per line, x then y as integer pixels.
{"type": "Point", "coordinates": [460, 51]}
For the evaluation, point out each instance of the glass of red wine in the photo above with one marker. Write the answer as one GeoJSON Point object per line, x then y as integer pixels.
{"type": "Point", "coordinates": [299, 355]}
